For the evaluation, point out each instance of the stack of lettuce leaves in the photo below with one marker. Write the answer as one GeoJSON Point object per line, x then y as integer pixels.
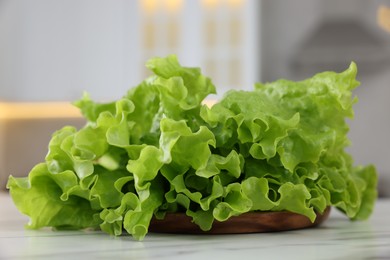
{"type": "Point", "coordinates": [159, 149]}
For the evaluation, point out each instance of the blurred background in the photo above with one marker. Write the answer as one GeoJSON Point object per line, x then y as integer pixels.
{"type": "Point", "coordinates": [51, 51]}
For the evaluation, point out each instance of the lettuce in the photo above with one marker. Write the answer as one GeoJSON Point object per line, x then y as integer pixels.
{"type": "Point", "coordinates": [159, 150]}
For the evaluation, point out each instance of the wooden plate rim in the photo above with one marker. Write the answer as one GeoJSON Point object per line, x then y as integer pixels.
{"type": "Point", "coordinates": [251, 222]}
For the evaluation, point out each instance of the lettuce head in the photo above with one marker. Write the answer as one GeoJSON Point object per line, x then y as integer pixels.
{"type": "Point", "coordinates": [279, 147]}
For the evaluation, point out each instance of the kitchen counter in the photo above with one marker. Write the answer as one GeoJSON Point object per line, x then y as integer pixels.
{"type": "Point", "coordinates": [337, 238]}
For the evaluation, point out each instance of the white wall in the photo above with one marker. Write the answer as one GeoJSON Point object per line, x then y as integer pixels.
{"type": "Point", "coordinates": [54, 50]}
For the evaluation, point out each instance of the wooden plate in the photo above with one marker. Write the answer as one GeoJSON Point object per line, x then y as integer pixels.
{"type": "Point", "coordinates": [251, 222]}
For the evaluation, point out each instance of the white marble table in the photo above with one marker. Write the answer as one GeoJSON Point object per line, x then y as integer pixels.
{"type": "Point", "coordinates": [337, 238]}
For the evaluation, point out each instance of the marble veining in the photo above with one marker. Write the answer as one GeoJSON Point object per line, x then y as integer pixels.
{"type": "Point", "coordinates": [337, 238]}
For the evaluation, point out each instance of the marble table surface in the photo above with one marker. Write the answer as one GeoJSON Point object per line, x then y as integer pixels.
{"type": "Point", "coordinates": [337, 238]}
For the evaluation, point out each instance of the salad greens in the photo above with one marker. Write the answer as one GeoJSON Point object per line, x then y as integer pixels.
{"type": "Point", "coordinates": [159, 150]}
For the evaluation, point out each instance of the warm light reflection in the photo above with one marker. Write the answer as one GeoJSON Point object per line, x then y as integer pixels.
{"type": "Point", "coordinates": [384, 17]}
{"type": "Point", "coordinates": [211, 4]}
{"type": "Point", "coordinates": [209, 102]}
{"type": "Point", "coordinates": [150, 6]}
{"type": "Point", "coordinates": [236, 3]}
{"type": "Point", "coordinates": [31, 110]}
{"type": "Point", "coordinates": [174, 6]}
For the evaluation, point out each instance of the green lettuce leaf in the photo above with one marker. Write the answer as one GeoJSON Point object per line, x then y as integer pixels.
{"type": "Point", "coordinates": [280, 147]}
